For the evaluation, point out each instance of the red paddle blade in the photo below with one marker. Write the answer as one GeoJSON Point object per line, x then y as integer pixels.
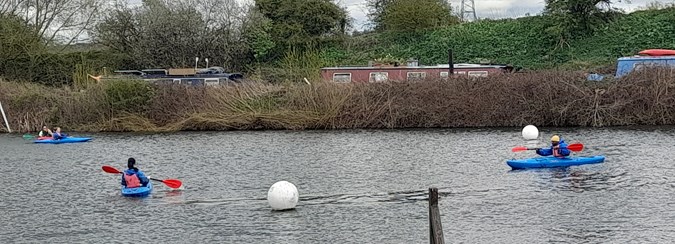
{"type": "Point", "coordinates": [110, 169]}
{"type": "Point", "coordinates": [173, 183]}
{"type": "Point", "coordinates": [518, 149]}
{"type": "Point", "coordinates": [576, 147]}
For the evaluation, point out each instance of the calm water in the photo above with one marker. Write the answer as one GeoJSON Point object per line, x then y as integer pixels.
{"type": "Point", "coordinates": [360, 186]}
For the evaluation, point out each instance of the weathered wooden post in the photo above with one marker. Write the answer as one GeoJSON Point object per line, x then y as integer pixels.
{"type": "Point", "coordinates": [435, 227]}
{"type": "Point", "coordinates": [5, 117]}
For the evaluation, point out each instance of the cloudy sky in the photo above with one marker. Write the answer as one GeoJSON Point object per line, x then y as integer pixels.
{"type": "Point", "coordinates": [484, 8]}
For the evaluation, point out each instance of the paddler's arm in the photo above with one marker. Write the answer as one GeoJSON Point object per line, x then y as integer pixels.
{"type": "Point", "coordinates": [563, 150]}
{"type": "Point", "coordinates": [544, 151]}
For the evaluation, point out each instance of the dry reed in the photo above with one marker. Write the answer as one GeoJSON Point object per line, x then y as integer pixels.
{"type": "Point", "coordinates": [550, 98]}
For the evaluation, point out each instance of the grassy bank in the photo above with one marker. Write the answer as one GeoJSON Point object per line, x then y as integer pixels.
{"type": "Point", "coordinates": [543, 98]}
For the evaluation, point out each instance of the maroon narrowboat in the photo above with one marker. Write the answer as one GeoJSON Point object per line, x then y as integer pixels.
{"type": "Point", "coordinates": [411, 71]}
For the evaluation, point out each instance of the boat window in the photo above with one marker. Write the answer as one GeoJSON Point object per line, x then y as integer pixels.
{"type": "Point", "coordinates": [212, 81]}
{"type": "Point", "coordinates": [478, 73]}
{"type": "Point", "coordinates": [648, 64]}
{"type": "Point", "coordinates": [378, 77]}
{"type": "Point", "coordinates": [416, 76]}
{"type": "Point", "coordinates": [342, 77]}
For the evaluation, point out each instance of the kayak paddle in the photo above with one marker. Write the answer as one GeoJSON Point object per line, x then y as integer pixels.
{"type": "Point", "coordinates": [572, 147]}
{"type": "Point", "coordinates": [28, 136]}
{"type": "Point", "coordinates": [173, 183]}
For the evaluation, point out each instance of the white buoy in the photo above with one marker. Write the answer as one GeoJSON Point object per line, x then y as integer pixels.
{"type": "Point", "coordinates": [282, 195]}
{"type": "Point", "coordinates": [530, 132]}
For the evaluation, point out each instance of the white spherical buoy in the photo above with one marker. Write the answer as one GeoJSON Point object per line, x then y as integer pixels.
{"type": "Point", "coordinates": [530, 132]}
{"type": "Point", "coordinates": [282, 195]}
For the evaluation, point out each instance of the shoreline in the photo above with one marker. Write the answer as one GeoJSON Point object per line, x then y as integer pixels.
{"type": "Point", "coordinates": [545, 99]}
{"type": "Point", "coordinates": [514, 128]}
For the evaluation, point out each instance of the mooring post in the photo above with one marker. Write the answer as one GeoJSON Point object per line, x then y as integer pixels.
{"type": "Point", "coordinates": [451, 64]}
{"type": "Point", "coordinates": [5, 117]}
{"type": "Point", "coordinates": [435, 227]}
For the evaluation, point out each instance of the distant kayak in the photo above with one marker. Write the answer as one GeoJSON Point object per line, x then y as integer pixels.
{"type": "Point", "coordinates": [64, 140]}
{"type": "Point", "coordinates": [137, 191]}
{"type": "Point", "coordinates": [553, 162]}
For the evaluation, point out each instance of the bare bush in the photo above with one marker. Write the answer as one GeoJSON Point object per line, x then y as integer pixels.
{"type": "Point", "coordinates": [548, 98]}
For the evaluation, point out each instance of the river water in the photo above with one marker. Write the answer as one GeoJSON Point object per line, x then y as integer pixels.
{"type": "Point", "coordinates": [356, 186]}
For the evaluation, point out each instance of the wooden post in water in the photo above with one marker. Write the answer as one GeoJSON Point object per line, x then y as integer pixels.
{"type": "Point", "coordinates": [435, 227]}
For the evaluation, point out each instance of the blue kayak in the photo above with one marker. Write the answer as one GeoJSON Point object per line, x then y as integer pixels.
{"type": "Point", "coordinates": [137, 191]}
{"type": "Point", "coordinates": [64, 140]}
{"type": "Point", "coordinates": [553, 162]}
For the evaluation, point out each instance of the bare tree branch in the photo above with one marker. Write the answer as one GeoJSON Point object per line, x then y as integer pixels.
{"type": "Point", "coordinates": [56, 21]}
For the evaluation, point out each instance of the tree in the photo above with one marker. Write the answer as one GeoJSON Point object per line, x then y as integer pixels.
{"type": "Point", "coordinates": [167, 34]}
{"type": "Point", "coordinates": [256, 31]}
{"type": "Point", "coordinates": [577, 18]}
{"type": "Point", "coordinates": [55, 21]}
{"type": "Point", "coordinates": [20, 46]}
{"type": "Point", "coordinates": [303, 23]}
{"type": "Point", "coordinates": [409, 15]}
{"type": "Point", "coordinates": [376, 11]}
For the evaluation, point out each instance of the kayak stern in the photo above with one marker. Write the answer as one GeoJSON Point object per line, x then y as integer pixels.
{"type": "Point", "coordinates": [138, 191]}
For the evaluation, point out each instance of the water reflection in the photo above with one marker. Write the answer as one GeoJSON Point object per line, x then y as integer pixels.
{"type": "Point", "coordinates": [578, 179]}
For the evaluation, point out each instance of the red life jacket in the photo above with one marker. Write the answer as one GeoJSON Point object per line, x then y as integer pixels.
{"type": "Point", "coordinates": [132, 181]}
{"type": "Point", "coordinates": [556, 152]}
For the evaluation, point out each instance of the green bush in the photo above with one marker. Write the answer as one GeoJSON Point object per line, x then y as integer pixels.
{"type": "Point", "coordinates": [521, 42]}
{"type": "Point", "coordinates": [132, 96]}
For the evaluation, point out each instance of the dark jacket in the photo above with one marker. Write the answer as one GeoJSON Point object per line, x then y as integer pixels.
{"type": "Point", "coordinates": [43, 133]}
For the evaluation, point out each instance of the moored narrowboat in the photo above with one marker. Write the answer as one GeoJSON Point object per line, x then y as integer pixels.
{"type": "Point", "coordinates": [411, 71]}
{"type": "Point", "coordinates": [212, 76]}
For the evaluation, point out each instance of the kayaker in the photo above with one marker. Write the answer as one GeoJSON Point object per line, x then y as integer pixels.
{"type": "Point", "coordinates": [45, 132]}
{"type": "Point", "coordinates": [558, 148]}
{"type": "Point", "coordinates": [133, 177]}
{"type": "Point", "coordinates": [57, 135]}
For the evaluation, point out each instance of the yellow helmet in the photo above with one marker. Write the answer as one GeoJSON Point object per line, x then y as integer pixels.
{"type": "Point", "coordinates": [555, 138]}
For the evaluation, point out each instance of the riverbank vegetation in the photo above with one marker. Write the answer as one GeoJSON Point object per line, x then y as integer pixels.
{"type": "Point", "coordinates": [545, 98]}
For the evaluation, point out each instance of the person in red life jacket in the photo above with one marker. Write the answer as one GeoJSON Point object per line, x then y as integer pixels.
{"type": "Point", "coordinates": [133, 177]}
{"type": "Point", "coordinates": [57, 135]}
{"type": "Point", "coordinates": [45, 132]}
{"type": "Point", "coordinates": [558, 148]}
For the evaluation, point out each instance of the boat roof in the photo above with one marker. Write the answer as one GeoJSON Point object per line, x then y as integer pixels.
{"type": "Point", "coordinates": [641, 57]}
{"type": "Point", "coordinates": [438, 66]}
